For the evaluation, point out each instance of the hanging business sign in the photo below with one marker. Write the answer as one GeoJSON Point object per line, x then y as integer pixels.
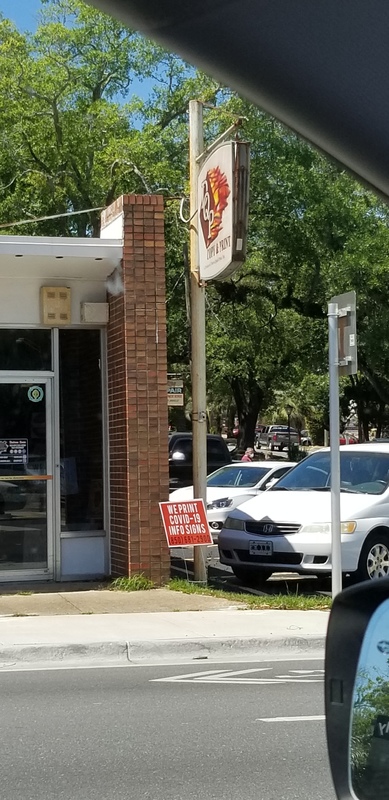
{"type": "Point", "coordinates": [223, 202]}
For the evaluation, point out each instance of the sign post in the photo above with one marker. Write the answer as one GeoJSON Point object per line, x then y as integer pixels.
{"type": "Point", "coordinates": [219, 181]}
{"type": "Point", "coordinates": [197, 308]}
{"type": "Point", "coordinates": [342, 355]}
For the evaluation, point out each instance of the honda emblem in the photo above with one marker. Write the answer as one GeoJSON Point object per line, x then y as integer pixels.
{"type": "Point", "coordinates": [268, 528]}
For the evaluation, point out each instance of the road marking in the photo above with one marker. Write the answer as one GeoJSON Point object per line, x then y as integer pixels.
{"type": "Point", "coordinates": [312, 718]}
{"type": "Point", "coordinates": [207, 675]}
{"type": "Point", "coordinates": [245, 671]}
{"type": "Point", "coordinates": [192, 675]}
{"type": "Point", "coordinates": [306, 671]}
{"type": "Point", "coordinates": [301, 674]}
{"type": "Point", "coordinates": [243, 677]}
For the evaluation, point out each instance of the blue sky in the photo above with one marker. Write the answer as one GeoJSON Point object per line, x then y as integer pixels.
{"type": "Point", "coordinates": [22, 12]}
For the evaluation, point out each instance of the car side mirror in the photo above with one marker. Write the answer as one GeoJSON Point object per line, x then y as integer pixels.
{"type": "Point", "coordinates": [271, 482]}
{"type": "Point", "coordinates": [178, 456]}
{"type": "Point", "coordinates": [357, 692]}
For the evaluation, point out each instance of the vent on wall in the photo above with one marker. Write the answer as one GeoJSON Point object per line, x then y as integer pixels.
{"type": "Point", "coordinates": [96, 313]}
{"type": "Point", "coordinates": [55, 305]}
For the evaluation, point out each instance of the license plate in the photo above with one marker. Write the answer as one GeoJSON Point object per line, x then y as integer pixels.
{"type": "Point", "coordinates": [260, 548]}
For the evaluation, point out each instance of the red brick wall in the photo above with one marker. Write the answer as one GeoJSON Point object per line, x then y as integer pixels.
{"type": "Point", "coordinates": [137, 393]}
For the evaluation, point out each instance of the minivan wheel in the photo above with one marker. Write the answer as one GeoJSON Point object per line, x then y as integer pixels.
{"type": "Point", "coordinates": [251, 577]}
{"type": "Point", "coordinates": [374, 558]}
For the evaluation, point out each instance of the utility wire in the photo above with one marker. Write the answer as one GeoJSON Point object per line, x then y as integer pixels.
{"type": "Point", "coordinates": [65, 214]}
{"type": "Point", "coordinates": [52, 216]}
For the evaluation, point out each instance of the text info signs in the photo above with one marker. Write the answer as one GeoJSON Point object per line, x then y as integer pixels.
{"type": "Point", "coordinates": [185, 523]}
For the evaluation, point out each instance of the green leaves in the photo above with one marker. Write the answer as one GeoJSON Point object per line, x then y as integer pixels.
{"type": "Point", "coordinates": [74, 135]}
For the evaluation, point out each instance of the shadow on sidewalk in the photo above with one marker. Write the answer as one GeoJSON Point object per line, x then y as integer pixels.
{"type": "Point", "coordinates": [220, 578]}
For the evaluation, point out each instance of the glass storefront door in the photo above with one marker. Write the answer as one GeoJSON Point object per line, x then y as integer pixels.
{"type": "Point", "coordinates": [25, 477]}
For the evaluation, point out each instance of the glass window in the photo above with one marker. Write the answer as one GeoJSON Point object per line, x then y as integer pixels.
{"type": "Point", "coordinates": [25, 349]}
{"type": "Point", "coordinates": [81, 432]}
{"type": "Point", "coordinates": [215, 450]}
{"type": "Point", "coordinates": [23, 497]}
{"type": "Point", "coordinates": [364, 472]}
{"type": "Point", "coordinates": [237, 476]}
{"type": "Point", "coordinates": [182, 448]}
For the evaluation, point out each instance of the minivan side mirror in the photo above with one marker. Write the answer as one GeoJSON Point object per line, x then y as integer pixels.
{"type": "Point", "coordinates": [357, 692]}
{"type": "Point", "coordinates": [271, 482]}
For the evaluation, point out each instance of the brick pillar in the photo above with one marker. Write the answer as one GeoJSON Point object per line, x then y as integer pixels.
{"type": "Point", "coordinates": [137, 390]}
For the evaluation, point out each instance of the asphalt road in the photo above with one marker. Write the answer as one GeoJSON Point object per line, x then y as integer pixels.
{"type": "Point", "coordinates": [200, 730]}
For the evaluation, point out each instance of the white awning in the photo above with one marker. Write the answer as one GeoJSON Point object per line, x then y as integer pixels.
{"type": "Point", "coordinates": [59, 257]}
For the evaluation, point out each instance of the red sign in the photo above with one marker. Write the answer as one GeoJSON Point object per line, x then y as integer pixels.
{"type": "Point", "coordinates": [185, 523]}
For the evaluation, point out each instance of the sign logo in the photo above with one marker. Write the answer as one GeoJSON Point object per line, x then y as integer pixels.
{"type": "Point", "coordinates": [35, 394]}
{"type": "Point", "coordinates": [213, 202]}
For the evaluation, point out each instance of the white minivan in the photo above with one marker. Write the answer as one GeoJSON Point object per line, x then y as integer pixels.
{"type": "Point", "coordinates": [288, 528]}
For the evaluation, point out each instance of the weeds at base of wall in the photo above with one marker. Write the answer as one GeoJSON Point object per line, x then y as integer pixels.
{"type": "Point", "coordinates": [135, 583]}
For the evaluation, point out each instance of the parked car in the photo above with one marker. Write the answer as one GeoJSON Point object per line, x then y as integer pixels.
{"type": "Point", "coordinates": [231, 485]}
{"type": "Point", "coordinates": [181, 457]}
{"type": "Point", "coordinates": [347, 438]}
{"type": "Point", "coordinates": [277, 437]}
{"type": "Point", "coordinates": [305, 438]}
{"type": "Point", "coordinates": [288, 527]}
{"type": "Point", "coordinates": [259, 431]}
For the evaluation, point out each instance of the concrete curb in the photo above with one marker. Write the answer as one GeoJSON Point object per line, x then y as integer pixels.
{"type": "Point", "coordinates": [156, 651]}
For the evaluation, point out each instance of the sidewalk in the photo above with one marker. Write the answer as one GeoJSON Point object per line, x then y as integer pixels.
{"type": "Point", "coordinates": [99, 626]}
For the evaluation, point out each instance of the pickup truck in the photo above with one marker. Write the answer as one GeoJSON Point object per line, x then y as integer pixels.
{"type": "Point", "coordinates": [277, 437]}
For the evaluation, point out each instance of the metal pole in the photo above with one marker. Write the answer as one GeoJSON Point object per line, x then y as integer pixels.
{"type": "Point", "coordinates": [197, 299]}
{"type": "Point", "coordinates": [289, 453]}
{"type": "Point", "coordinates": [336, 555]}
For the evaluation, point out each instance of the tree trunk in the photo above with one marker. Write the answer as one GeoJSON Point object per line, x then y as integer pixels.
{"type": "Point", "coordinates": [248, 399]}
{"type": "Point", "coordinates": [230, 420]}
{"type": "Point", "coordinates": [381, 412]}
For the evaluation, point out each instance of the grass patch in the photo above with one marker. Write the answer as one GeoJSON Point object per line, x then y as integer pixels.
{"type": "Point", "coordinates": [135, 583]}
{"type": "Point", "coordinates": [278, 601]}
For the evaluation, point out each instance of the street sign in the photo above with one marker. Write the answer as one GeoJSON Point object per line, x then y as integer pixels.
{"type": "Point", "coordinates": [347, 333]}
{"type": "Point", "coordinates": [381, 727]}
{"type": "Point", "coordinates": [185, 523]}
{"type": "Point", "coordinates": [175, 392]}
{"type": "Point", "coordinates": [223, 202]}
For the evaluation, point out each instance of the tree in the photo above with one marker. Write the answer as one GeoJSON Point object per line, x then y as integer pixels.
{"type": "Point", "coordinates": [79, 136]}
{"type": "Point", "coordinates": [314, 232]}
{"type": "Point", "coordinates": [73, 135]}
